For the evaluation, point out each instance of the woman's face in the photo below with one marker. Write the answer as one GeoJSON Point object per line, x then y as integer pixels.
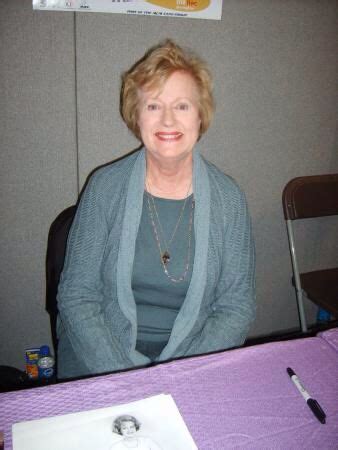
{"type": "Point", "coordinates": [169, 120]}
{"type": "Point", "coordinates": [128, 428]}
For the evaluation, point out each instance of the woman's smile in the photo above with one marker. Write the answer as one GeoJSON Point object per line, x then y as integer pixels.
{"type": "Point", "coordinates": [168, 136]}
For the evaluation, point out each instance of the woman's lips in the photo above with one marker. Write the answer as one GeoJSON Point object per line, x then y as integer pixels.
{"type": "Point", "coordinates": [168, 136]}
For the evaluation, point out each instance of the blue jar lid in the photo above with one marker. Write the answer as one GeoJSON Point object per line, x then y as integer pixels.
{"type": "Point", "coordinates": [44, 350]}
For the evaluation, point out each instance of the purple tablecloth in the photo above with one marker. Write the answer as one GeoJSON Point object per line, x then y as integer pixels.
{"type": "Point", "coordinates": [240, 399]}
{"type": "Point", "coordinates": [331, 336]}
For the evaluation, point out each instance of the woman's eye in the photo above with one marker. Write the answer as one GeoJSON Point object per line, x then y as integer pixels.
{"type": "Point", "coordinates": [182, 106]}
{"type": "Point", "coordinates": [152, 107]}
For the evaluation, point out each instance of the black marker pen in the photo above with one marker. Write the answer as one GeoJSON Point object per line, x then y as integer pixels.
{"type": "Point", "coordinates": [311, 402]}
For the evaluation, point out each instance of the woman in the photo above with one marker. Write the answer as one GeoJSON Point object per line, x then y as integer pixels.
{"type": "Point", "coordinates": [127, 426]}
{"type": "Point", "coordinates": [160, 257]}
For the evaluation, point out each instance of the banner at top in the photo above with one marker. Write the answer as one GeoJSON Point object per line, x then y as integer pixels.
{"type": "Point", "coordinates": [196, 9]}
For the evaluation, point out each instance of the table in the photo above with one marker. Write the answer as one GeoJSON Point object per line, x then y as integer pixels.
{"type": "Point", "coordinates": [238, 399]}
{"type": "Point", "coordinates": [331, 336]}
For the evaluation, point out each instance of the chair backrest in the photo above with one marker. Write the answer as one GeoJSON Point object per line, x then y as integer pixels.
{"type": "Point", "coordinates": [56, 249]}
{"type": "Point", "coordinates": [303, 198]}
{"type": "Point", "coordinates": [311, 196]}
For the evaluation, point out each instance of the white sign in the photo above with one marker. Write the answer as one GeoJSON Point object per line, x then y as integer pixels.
{"type": "Point", "coordinates": [196, 9]}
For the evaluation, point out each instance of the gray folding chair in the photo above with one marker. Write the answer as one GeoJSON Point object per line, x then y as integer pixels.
{"type": "Point", "coordinates": [303, 198]}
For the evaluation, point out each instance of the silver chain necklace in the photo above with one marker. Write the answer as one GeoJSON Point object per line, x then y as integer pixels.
{"type": "Point", "coordinates": [165, 255]}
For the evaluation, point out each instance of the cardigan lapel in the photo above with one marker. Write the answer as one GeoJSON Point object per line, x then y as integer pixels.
{"type": "Point", "coordinates": [189, 311]}
{"type": "Point", "coordinates": [130, 224]}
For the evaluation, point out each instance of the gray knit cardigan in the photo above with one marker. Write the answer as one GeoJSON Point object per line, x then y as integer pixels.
{"type": "Point", "coordinates": [97, 323]}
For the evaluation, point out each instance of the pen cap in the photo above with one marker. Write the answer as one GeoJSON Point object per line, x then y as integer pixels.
{"type": "Point", "coordinates": [290, 372]}
{"type": "Point", "coordinates": [317, 410]}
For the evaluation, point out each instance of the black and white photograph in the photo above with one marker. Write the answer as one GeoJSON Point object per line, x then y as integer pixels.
{"type": "Point", "coordinates": [127, 427]}
{"type": "Point", "coordinates": [154, 423]}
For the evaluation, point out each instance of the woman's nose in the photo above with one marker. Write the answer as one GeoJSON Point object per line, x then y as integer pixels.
{"type": "Point", "coordinates": [168, 118]}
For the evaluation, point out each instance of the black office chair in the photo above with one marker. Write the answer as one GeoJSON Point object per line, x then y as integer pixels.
{"type": "Point", "coordinates": [303, 198]}
{"type": "Point", "coordinates": [56, 249]}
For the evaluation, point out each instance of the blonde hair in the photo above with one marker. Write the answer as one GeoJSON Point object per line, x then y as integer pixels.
{"type": "Point", "coordinates": [153, 70]}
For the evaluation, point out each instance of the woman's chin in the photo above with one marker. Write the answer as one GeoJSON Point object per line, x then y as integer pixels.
{"type": "Point", "coordinates": [170, 153]}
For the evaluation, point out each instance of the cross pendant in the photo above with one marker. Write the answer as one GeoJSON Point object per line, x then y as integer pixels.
{"type": "Point", "coordinates": [165, 258]}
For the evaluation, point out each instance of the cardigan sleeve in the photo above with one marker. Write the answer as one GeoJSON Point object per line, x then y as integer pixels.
{"type": "Point", "coordinates": [233, 308]}
{"type": "Point", "coordinates": [80, 289]}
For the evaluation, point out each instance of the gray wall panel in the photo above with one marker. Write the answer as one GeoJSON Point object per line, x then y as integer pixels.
{"type": "Point", "coordinates": [37, 163]}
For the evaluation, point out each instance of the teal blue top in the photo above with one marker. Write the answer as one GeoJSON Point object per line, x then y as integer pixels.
{"type": "Point", "coordinates": [97, 322]}
{"type": "Point", "coordinates": [159, 299]}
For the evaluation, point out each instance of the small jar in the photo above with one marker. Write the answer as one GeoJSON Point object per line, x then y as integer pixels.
{"type": "Point", "coordinates": [46, 363]}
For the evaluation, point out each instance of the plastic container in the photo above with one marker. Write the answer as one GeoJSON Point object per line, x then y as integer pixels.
{"type": "Point", "coordinates": [32, 358]}
{"type": "Point", "coordinates": [323, 315]}
{"type": "Point", "coordinates": [46, 363]}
